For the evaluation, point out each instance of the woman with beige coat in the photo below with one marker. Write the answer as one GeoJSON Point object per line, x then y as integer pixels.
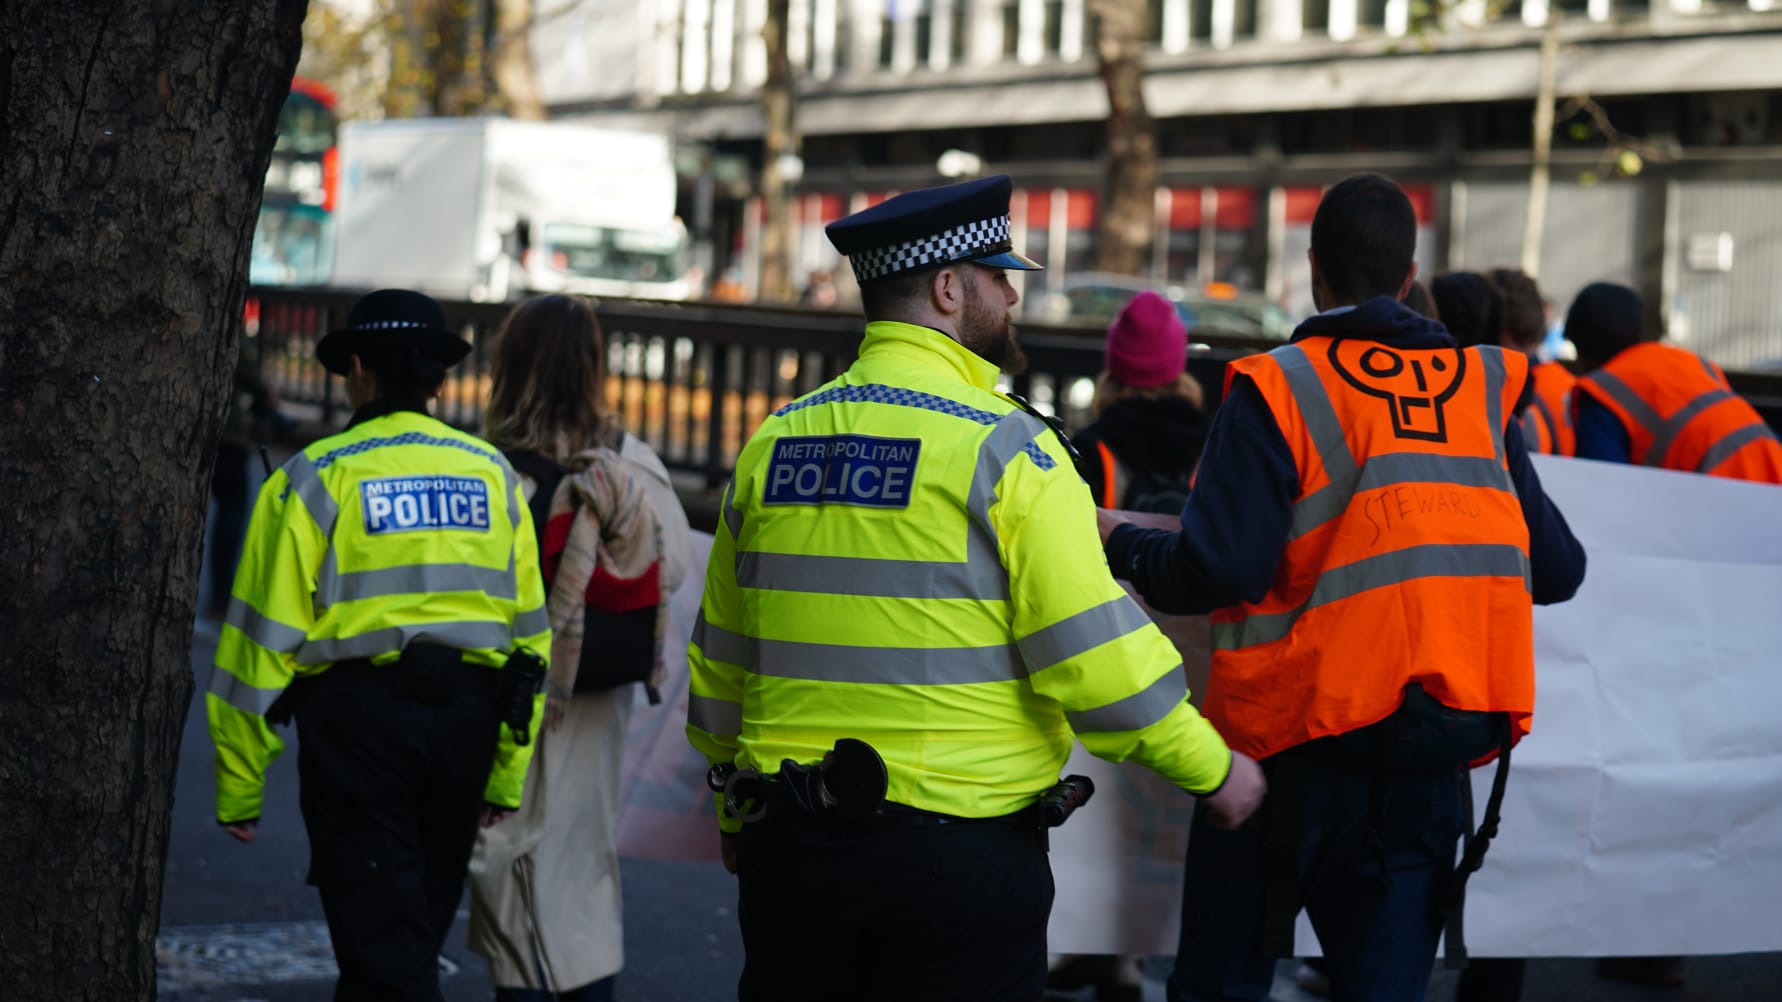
{"type": "Point", "coordinates": [545, 901]}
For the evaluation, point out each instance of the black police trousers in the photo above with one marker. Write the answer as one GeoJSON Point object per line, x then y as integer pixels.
{"type": "Point", "coordinates": [900, 907]}
{"type": "Point", "coordinates": [393, 761]}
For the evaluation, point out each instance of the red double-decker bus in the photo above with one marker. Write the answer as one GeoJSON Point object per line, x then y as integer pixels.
{"type": "Point", "coordinates": [294, 237]}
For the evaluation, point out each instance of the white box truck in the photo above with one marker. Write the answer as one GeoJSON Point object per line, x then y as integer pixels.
{"type": "Point", "coordinates": [491, 209]}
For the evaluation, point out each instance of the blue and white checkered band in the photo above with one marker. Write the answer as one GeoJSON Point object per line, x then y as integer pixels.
{"type": "Point", "coordinates": [986, 236]}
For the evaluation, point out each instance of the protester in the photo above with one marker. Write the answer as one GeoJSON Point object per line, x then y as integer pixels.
{"type": "Point", "coordinates": [1419, 301]}
{"type": "Point", "coordinates": [253, 408]}
{"type": "Point", "coordinates": [1655, 404]}
{"type": "Point", "coordinates": [1547, 422]}
{"type": "Point", "coordinates": [614, 543]}
{"type": "Point", "coordinates": [906, 621]}
{"type": "Point", "coordinates": [388, 597]}
{"type": "Point", "coordinates": [1140, 451]}
{"type": "Point", "coordinates": [1324, 534]}
{"type": "Point", "coordinates": [1469, 306]}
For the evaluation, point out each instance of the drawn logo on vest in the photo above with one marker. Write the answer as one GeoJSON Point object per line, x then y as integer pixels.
{"type": "Point", "coordinates": [411, 504]}
{"type": "Point", "coordinates": [1416, 401]}
{"type": "Point", "coordinates": [842, 469]}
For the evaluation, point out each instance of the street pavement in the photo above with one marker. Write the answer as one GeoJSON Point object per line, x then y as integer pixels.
{"type": "Point", "coordinates": [239, 925]}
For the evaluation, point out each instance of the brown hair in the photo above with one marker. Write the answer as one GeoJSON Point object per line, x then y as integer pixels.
{"type": "Point", "coordinates": [1110, 391]}
{"type": "Point", "coordinates": [548, 392]}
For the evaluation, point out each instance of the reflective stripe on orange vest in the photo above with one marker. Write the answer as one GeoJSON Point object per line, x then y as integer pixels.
{"type": "Point", "coordinates": [1680, 414]}
{"type": "Point", "coordinates": [1408, 556]}
{"type": "Point", "coordinates": [1547, 423]}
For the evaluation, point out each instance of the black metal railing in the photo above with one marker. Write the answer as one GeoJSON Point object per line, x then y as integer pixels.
{"type": "Point", "coordinates": [691, 379]}
{"type": "Point", "coordinates": [695, 379]}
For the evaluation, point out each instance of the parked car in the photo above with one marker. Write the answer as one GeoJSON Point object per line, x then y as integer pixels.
{"type": "Point", "coordinates": [1095, 298]}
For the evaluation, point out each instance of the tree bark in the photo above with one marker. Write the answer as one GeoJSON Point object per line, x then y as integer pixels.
{"type": "Point", "coordinates": [511, 67]}
{"type": "Point", "coordinates": [1128, 226]}
{"type": "Point", "coordinates": [779, 140]}
{"type": "Point", "coordinates": [1542, 155]}
{"type": "Point", "coordinates": [134, 138]}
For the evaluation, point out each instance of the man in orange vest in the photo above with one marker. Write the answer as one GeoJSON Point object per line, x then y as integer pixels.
{"type": "Point", "coordinates": [1547, 421]}
{"type": "Point", "coordinates": [1656, 405]}
{"type": "Point", "coordinates": [1369, 534]}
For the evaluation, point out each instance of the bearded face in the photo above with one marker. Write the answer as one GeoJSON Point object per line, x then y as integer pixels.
{"type": "Point", "coordinates": [984, 325]}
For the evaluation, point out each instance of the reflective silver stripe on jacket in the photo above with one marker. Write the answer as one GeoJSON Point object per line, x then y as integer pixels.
{"type": "Point", "coordinates": [1137, 711]}
{"type": "Point", "coordinates": [250, 699]}
{"type": "Point", "coordinates": [1008, 439]}
{"type": "Point", "coordinates": [1431, 560]}
{"type": "Point", "coordinates": [263, 629]}
{"type": "Point", "coordinates": [1081, 633]}
{"type": "Point", "coordinates": [1732, 442]}
{"type": "Point", "coordinates": [1664, 432]}
{"type": "Point", "coordinates": [1537, 413]}
{"type": "Point", "coordinates": [813, 662]}
{"type": "Point", "coordinates": [721, 717]}
{"type": "Point", "coordinates": [306, 482]}
{"type": "Point", "coordinates": [465, 636]}
{"type": "Point", "coordinates": [733, 518]}
{"type": "Point", "coordinates": [414, 579]}
{"type": "Point", "coordinates": [1666, 436]}
{"type": "Point", "coordinates": [531, 622]}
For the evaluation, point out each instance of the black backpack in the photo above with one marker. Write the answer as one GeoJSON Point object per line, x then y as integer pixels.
{"type": "Point", "coordinates": [618, 648]}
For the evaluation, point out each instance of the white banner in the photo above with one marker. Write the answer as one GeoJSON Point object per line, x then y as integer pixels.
{"type": "Point", "coordinates": [1644, 811]}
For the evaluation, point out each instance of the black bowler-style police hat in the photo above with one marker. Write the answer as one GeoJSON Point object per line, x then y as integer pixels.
{"type": "Point", "coordinates": [391, 318]}
{"type": "Point", "coordinates": [968, 221]}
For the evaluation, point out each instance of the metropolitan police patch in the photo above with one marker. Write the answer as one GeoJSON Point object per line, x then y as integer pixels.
{"type": "Point", "coordinates": [408, 504]}
{"type": "Point", "coordinates": [842, 469]}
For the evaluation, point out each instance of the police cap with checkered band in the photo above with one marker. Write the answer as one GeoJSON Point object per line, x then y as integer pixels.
{"type": "Point", "coordinates": [388, 320]}
{"type": "Point", "coordinates": [968, 221]}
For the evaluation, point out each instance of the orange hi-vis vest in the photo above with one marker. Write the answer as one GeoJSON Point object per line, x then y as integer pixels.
{"type": "Point", "coordinates": [1547, 423]}
{"type": "Point", "coordinates": [1408, 556]}
{"type": "Point", "coordinates": [1680, 414]}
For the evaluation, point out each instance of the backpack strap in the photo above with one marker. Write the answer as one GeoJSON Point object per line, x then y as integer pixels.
{"type": "Point", "coordinates": [547, 475]}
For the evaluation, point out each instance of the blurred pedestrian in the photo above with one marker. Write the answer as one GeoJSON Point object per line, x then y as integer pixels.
{"type": "Point", "coordinates": [1656, 404]}
{"type": "Point", "coordinates": [1547, 421]}
{"type": "Point", "coordinates": [388, 598]}
{"type": "Point", "coordinates": [1470, 307]}
{"type": "Point", "coordinates": [819, 291]}
{"type": "Point", "coordinates": [253, 416]}
{"type": "Point", "coordinates": [1322, 533]}
{"type": "Point", "coordinates": [1139, 452]}
{"type": "Point", "coordinates": [614, 542]}
{"type": "Point", "coordinates": [906, 624]}
{"type": "Point", "coordinates": [1419, 301]}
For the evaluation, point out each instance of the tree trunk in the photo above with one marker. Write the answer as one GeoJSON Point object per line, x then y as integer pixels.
{"type": "Point", "coordinates": [1128, 227]}
{"type": "Point", "coordinates": [1541, 168]}
{"type": "Point", "coordinates": [512, 61]}
{"type": "Point", "coordinates": [134, 138]}
{"type": "Point", "coordinates": [779, 142]}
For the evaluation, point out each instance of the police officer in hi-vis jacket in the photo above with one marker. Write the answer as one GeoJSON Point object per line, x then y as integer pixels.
{"type": "Point", "coordinates": [907, 559]}
{"type": "Point", "coordinates": [389, 599]}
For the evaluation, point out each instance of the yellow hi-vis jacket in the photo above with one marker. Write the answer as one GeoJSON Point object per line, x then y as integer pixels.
{"type": "Point", "coordinates": [399, 530]}
{"type": "Point", "coordinates": [908, 558]}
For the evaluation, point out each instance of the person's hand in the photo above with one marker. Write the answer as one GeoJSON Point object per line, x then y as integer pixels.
{"type": "Point", "coordinates": [727, 850]}
{"type": "Point", "coordinates": [493, 816]}
{"type": "Point", "coordinates": [1107, 521]}
{"type": "Point", "coordinates": [556, 709]}
{"type": "Point", "coordinates": [1240, 796]}
{"type": "Point", "coordinates": [241, 831]}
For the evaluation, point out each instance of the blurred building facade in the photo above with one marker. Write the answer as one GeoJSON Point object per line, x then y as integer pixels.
{"type": "Point", "coordinates": [1259, 103]}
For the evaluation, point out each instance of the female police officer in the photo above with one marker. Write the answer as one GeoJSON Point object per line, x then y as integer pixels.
{"type": "Point", "coordinates": [388, 574]}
